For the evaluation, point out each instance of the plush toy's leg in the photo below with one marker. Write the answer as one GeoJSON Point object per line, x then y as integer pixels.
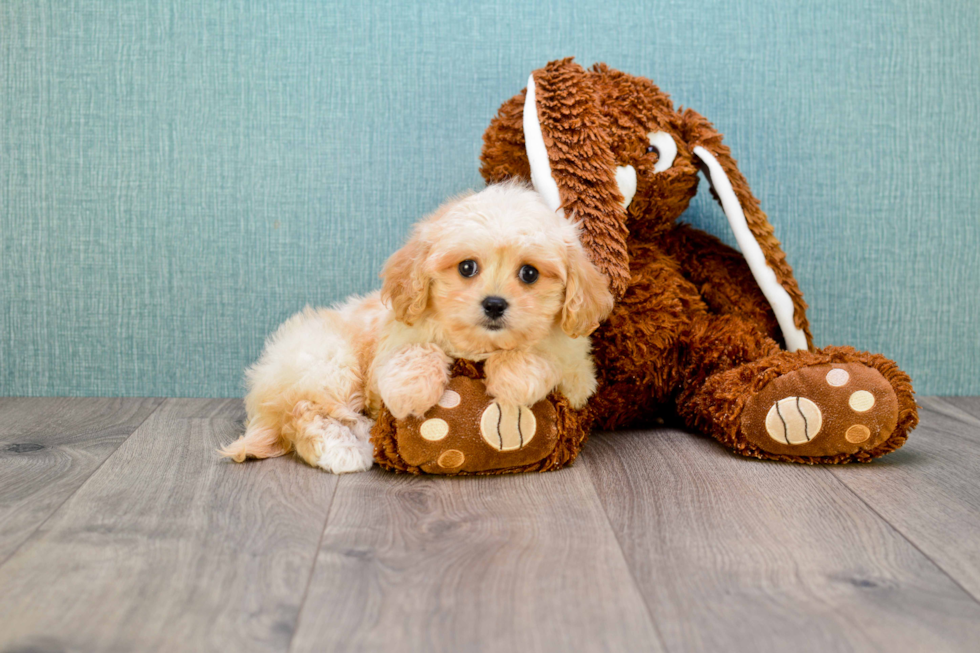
{"type": "Point", "coordinates": [828, 406]}
{"type": "Point", "coordinates": [468, 432]}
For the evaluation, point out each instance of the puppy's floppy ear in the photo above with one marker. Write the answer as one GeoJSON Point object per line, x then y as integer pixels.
{"type": "Point", "coordinates": [587, 298]}
{"type": "Point", "coordinates": [406, 281]}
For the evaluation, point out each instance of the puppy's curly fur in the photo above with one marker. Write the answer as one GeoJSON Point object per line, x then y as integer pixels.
{"type": "Point", "coordinates": [524, 302]}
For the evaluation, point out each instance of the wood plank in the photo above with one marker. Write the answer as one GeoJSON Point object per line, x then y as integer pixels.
{"type": "Point", "coordinates": [963, 410]}
{"type": "Point", "coordinates": [504, 563]}
{"type": "Point", "coordinates": [168, 548]}
{"type": "Point", "coordinates": [969, 405]}
{"type": "Point", "coordinates": [929, 490]}
{"type": "Point", "coordinates": [736, 554]}
{"type": "Point", "coordinates": [48, 448]}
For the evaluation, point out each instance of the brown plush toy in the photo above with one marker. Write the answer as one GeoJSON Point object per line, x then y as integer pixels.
{"type": "Point", "coordinates": [700, 331]}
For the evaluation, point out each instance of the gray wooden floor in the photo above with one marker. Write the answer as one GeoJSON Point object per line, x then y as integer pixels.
{"type": "Point", "coordinates": [120, 530]}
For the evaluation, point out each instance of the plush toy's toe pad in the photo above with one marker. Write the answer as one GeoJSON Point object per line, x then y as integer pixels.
{"type": "Point", "coordinates": [824, 410]}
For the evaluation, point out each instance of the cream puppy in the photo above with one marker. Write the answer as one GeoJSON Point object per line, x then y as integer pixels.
{"type": "Point", "coordinates": [495, 276]}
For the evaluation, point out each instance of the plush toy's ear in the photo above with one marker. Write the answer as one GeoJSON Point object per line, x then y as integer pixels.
{"type": "Point", "coordinates": [587, 298]}
{"type": "Point", "coordinates": [406, 281]}
{"type": "Point", "coordinates": [572, 166]}
{"type": "Point", "coordinates": [752, 230]}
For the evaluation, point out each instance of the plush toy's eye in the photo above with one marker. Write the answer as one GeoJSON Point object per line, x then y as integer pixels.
{"type": "Point", "coordinates": [468, 268]}
{"type": "Point", "coordinates": [528, 274]}
{"type": "Point", "coordinates": [663, 144]}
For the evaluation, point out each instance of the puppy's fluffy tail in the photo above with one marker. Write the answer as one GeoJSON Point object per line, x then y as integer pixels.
{"type": "Point", "coordinates": [258, 442]}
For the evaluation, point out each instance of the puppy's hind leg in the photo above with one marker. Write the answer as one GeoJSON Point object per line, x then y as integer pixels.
{"type": "Point", "coordinates": [337, 443]}
{"type": "Point", "coordinates": [306, 393]}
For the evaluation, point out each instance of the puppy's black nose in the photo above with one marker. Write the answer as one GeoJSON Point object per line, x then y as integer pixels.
{"type": "Point", "coordinates": [494, 307]}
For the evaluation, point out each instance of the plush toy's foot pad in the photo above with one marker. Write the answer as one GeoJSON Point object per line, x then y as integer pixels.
{"type": "Point", "coordinates": [824, 410]}
{"type": "Point", "coordinates": [467, 431]}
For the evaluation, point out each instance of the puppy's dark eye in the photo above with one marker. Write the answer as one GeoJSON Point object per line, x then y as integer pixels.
{"type": "Point", "coordinates": [651, 148]}
{"type": "Point", "coordinates": [468, 268]}
{"type": "Point", "coordinates": [528, 274]}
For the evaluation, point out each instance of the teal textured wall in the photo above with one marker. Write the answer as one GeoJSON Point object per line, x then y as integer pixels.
{"type": "Point", "coordinates": [178, 177]}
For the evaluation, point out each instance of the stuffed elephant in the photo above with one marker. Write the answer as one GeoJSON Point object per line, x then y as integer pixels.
{"type": "Point", "coordinates": [700, 333]}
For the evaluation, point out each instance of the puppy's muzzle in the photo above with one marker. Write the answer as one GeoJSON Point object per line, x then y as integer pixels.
{"type": "Point", "coordinates": [494, 308]}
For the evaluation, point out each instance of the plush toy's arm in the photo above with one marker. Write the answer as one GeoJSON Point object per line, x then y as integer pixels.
{"type": "Point", "coordinates": [722, 278]}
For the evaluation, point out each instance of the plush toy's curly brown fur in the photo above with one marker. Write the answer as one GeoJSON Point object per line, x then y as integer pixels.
{"type": "Point", "coordinates": [692, 335]}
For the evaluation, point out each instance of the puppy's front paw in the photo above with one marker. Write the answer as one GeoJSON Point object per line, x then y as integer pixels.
{"type": "Point", "coordinates": [520, 378]}
{"type": "Point", "coordinates": [414, 379]}
{"type": "Point", "coordinates": [579, 383]}
{"type": "Point", "coordinates": [578, 388]}
{"type": "Point", "coordinates": [412, 399]}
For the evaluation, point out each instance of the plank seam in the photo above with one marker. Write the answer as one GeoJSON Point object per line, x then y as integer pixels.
{"type": "Point", "coordinates": [586, 458]}
{"type": "Point", "coordinates": [893, 527]}
{"type": "Point", "coordinates": [87, 479]}
{"type": "Point", "coordinates": [316, 559]}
